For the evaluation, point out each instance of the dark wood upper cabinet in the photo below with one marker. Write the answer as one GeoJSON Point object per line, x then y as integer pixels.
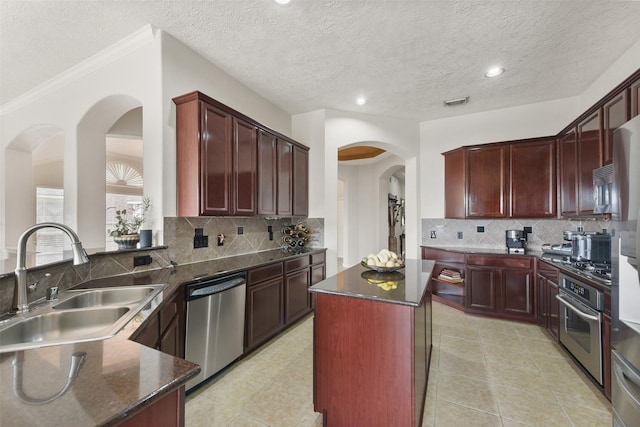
{"type": "Point", "coordinates": [245, 151]}
{"type": "Point", "coordinates": [487, 181]}
{"type": "Point", "coordinates": [285, 177]}
{"type": "Point", "coordinates": [568, 172]}
{"type": "Point", "coordinates": [267, 170]}
{"type": "Point", "coordinates": [215, 163]}
{"type": "Point", "coordinates": [228, 164]}
{"type": "Point", "coordinates": [533, 198]}
{"type": "Point", "coordinates": [300, 181]}
{"type": "Point", "coordinates": [455, 189]}
{"type": "Point", "coordinates": [495, 180]}
{"type": "Point", "coordinates": [589, 158]}
{"type": "Point", "coordinates": [634, 88]}
{"type": "Point", "coordinates": [614, 114]}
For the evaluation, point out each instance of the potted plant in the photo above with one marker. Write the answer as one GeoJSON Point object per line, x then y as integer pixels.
{"type": "Point", "coordinates": [126, 234]}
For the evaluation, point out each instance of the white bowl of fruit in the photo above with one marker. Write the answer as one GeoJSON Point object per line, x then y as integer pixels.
{"type": "Point", "coordinates": [383, 261]}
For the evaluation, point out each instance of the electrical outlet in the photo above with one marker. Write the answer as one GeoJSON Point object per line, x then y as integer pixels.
{"type": "Point", "coordinates": [528, 230]}
{"type": "Point", "coordinates": [220, 239]}
{"type": "Point", "coordinates": [480, 229]}
{"type": "Point", "coordinates": [142, 260]}
{"type": "Point", "coordinates": [240, 230]}
{"type": "Point", "coordinates": [271, 235]}
{"type": "Point", "coordinates": [433, 234]}
{"type": "Point", "coordinates": [199, 239]}
{"type": "Point", "coordinates": [459, 234]}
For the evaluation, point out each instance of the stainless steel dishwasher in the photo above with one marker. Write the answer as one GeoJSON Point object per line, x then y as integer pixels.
{"type": "Point", "coordinates": [215, 324]}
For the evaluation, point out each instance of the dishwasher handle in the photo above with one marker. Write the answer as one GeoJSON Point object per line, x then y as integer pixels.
{"type": "Point", "coordinates": [204, 289]}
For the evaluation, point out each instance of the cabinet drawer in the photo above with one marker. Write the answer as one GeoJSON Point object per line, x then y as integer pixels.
{"type": "Point", "coordinates": [296, 263]}
{"type": "Point", "coordinates": [263, 273]}
{"type": "Point", "coordinates": [318, 258]}
{"type": "Point", "coordinates": [500, 261]}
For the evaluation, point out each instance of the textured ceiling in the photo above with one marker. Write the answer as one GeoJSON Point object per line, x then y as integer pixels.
{"type": "Point", "coordinates": [405, 56]}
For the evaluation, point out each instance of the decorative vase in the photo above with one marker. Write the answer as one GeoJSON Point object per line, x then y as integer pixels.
{"type": "Point", "coordinates": [127, 241]}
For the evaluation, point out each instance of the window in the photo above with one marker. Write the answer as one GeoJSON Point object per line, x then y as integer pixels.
{"type": "Point", "coordinates": [49, 208]}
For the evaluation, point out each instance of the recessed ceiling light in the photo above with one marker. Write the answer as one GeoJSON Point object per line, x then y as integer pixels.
{"type": "Point", "coordinates": [494, 71]}
{"type": "Point", "coordinates": [284, 2]}
{"type": "Point", "coordinates": [361, 100]}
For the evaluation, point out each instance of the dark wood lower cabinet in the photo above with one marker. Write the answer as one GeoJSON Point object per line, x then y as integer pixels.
{"type": "Point", "coordinates": [501, 292]}
{"type": "Point", "coordinates": [165, 331]}
{"type": "Point", "coordinates": [264, 311]}
{"type": "Point", "coordinates": [371, 361]}
{"type": "Point", "coordinates": [548, 307]}
{"type": "Point", "coordinates": [166, 412]}
{"type": "Point", "coordinates": [278, 295]}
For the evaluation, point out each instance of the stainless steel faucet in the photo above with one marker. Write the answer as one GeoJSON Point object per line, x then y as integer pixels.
{"type": "Point", "coordinates": [20, 301]}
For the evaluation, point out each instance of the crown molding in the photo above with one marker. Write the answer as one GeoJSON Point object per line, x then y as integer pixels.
{"type": "Point", "coordinates": [117, 50]}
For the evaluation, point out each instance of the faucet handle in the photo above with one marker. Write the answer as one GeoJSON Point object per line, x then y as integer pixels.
{"type": "Point", "coordinates": [52, 293]}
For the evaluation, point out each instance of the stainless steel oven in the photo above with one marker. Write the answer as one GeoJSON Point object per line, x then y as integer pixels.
{"type": "Point", "coordinates": [581, 308]}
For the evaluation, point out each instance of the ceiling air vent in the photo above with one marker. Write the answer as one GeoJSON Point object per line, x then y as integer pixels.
{"type": "Point", "coordinates": [457, 101]}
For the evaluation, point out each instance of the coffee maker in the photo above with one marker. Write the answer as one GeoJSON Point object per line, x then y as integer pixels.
{"type": "Point", "coordinates": [516, 241]}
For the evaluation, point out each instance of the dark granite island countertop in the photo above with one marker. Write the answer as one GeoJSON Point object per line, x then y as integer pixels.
{"type": "Point", "coordinates": [412, 282]}
{"type": "Point", "coordinates": [372, 347]}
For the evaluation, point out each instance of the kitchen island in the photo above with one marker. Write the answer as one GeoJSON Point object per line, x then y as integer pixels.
{"type": "Point", "coordinates": [372, 345]}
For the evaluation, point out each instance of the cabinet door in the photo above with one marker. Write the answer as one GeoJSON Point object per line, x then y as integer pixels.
{"type": "Point", "coordinates": [614, 114]}
{"type": "Point", "coordinates": [635, 98]}
{"type": "Point", "coordinates": [454, 183]}
{"type": "Point", "coordinates": [149, 335]}
{"type": "Point", "coordinates": [296, 293]}
{"type": "Point", "coordinates": [541, 301]}
{"type": "Point", "coordinates": [245, 149]}
{"type": "Point", "coordinates": [216, 161]}
{"type": "Point", "coordinates": [300, 181]}
{"type": "Point", "coordinates": [172, 333]}
{"type": "Point", "coordinates": [486, 181]}
{"type": "Point", "coordinates": [264, 311]}
{"type": "Point", "coordinates": [267, 170]}
{"type": "Point", "coordinates": [516, 297]}
{"type": "Point", "coordinates": [568, 173]}
{"type": "Point", "coordinates": [482, 289]}
{"type": "Point", "coordinates": [589, 158]}
{"type": "Point", "coordinates": [553, 307]}
{"type": "Point", "coordinates": [533, 179]}
{"type": "Point", "coordinates": [285, 177]}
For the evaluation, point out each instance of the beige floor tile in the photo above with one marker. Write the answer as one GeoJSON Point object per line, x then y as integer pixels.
{"type": "Point", "coordinates": [581, 416]}
{"type": "Point", "coordinates": [529, 408]}
{"type": "Point", "coordinates": [485, 372]}
{"type": "Point", "coordinates": [453, 363]}
{"type": "Point", "coordinates": [466, 391]}
{"type": "Point", "coordinates": [450, 414]}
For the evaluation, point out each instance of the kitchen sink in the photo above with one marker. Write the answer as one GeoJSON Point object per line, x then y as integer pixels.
{"type": "Point", "coordinates": [78, 316]}
{"type": "Point", "coordinates": [105, 296]}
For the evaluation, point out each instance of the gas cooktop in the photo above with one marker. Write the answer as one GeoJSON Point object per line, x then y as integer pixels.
{"type": "Point", "coordinates": [599, 273]}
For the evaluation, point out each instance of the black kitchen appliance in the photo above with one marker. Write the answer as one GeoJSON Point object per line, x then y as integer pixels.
{"type": "Point", "coordinates": [516, 241]}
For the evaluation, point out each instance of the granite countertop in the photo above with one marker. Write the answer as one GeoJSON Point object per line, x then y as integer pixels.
{"type": "Point", "coordinates": [118, 376]}
{"type": "Point", "coordinates": [487, 251]}
{"type": "Point", "coordinates": [412, 283]}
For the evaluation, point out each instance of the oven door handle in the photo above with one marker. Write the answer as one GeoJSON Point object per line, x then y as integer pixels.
{"type": "Point", "coordinates": [576, 310]}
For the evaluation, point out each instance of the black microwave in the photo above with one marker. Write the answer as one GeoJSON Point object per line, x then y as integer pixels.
{"type": "Point", "coordinates": [603, 189]}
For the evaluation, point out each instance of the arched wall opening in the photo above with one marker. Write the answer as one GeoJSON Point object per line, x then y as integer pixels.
{"type": "Point", "coordinates": [365, 206]}
{"type": "Point", "coordinates": [32, 158]}
{"type": "Point", "coordinates": [88, 198]}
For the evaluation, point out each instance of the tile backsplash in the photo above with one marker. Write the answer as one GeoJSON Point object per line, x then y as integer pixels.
{"type": "Point", "coordinates": [241, 236]}
{"type": "Point", "coordinates": [447, 231]}
{"type": "Point", "coordinates": [178, 241]}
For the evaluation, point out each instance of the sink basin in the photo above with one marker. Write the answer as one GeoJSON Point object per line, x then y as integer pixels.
{"type": "Point", "coordinates": [62, 325]}
{"type": "Point", "coordinates": [105, 296]}
{"type": "Point", "coordinates": [79, 316]}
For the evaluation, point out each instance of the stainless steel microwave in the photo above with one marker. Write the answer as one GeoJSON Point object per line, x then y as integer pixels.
{"type": "Point", "coordinates": [602, 189]}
